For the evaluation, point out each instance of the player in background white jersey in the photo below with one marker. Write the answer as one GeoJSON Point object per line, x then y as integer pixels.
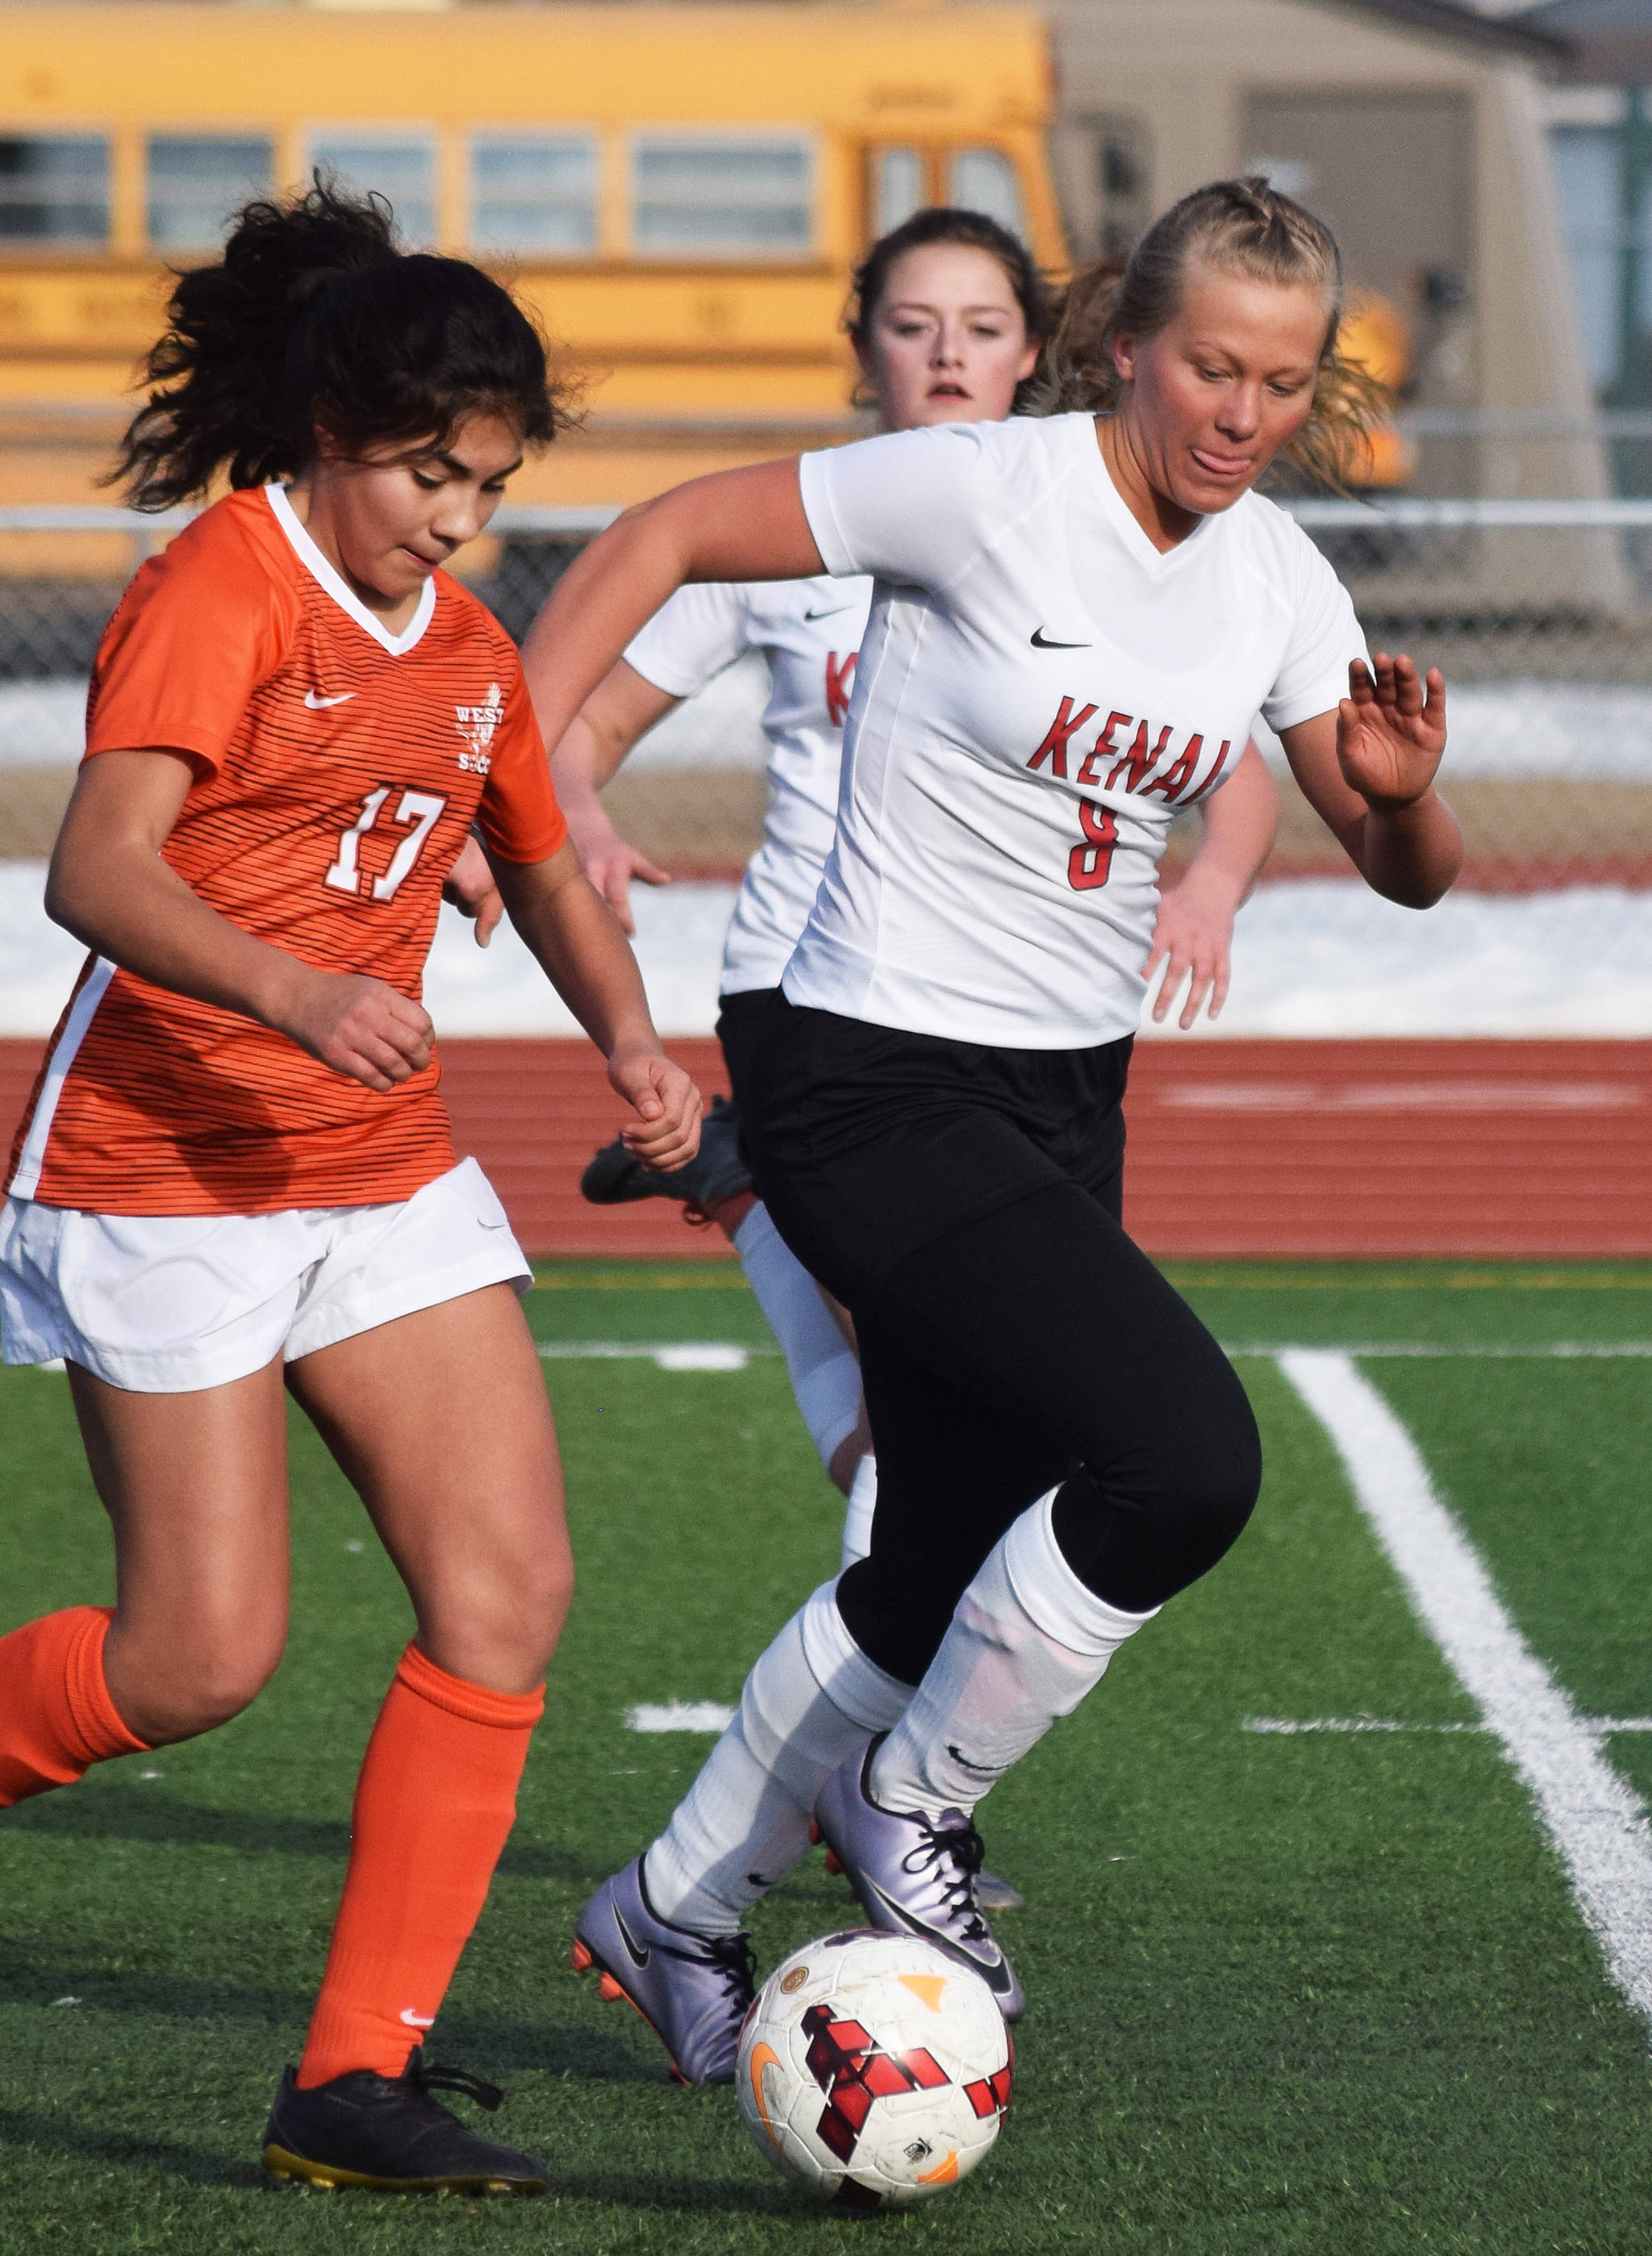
{"type": "Point", "coordinates": [1075, 621]}
{"type": "Point", "coordinates": [948, 315]}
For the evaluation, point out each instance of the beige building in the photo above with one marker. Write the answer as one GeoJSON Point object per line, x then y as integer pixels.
{"type": "Point", "coordinates": [1415, 128]}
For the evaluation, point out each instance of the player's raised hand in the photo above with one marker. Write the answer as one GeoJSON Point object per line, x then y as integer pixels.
{"type": "Point", "coordinates": [470, 888]}
{"type": "Point", "coordinates": [360, 1028]}
{"type": "Point", "coordinates": [1390, 735]}
{"type": "Point", "coordinates": [666, 1133]}
{"type": "Point", "coordinates": [611, 863]}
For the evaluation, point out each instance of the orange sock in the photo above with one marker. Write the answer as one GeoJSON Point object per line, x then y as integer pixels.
{"type": "Point", "coordinates": [56, 1716]}
{"type": "Point", "coordinates": [436, 1799]}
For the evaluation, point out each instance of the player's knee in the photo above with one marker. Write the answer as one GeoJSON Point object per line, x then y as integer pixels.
{"type": "Point", "coordinates": [204, 1679]}
{"type": "Point", "coordinates": [501, 1630]}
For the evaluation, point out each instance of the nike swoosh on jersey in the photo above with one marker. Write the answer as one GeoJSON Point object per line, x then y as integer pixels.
{"type": "Point", "coordinates": [1041, 641]}
{"type": "Point", "coordinates": [836, 611]}
{"type": "Point", "coordinates": [641, 1952]}
{"type": "Point", "coordinates": [994, 1971]}
{"type": "Point", "coordinates": [317, 704]}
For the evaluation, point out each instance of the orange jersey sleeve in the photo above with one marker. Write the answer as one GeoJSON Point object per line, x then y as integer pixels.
{"type": "Point", "coordinates": [195, 633]}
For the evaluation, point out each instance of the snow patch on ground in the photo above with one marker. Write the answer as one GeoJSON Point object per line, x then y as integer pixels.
{"type": "Point", "coordinates": [1320, 956]}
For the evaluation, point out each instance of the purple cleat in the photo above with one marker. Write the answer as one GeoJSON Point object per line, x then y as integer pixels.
{"type": "Point", "coordinates": [913, 1877]}
{"type": "Point", "coordinates": [693, 1989]}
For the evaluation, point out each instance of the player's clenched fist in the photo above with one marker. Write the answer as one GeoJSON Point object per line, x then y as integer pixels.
{"type": "Point", "coordinates": [666, 1133]}
{"type": "Point", "coordinates": [361, 1028]}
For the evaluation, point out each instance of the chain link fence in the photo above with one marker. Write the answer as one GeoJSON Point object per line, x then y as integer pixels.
{"type": "Point", "coordinates": [1538, 609]}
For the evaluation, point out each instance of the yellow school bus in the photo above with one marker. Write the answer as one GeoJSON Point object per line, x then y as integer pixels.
{"type": "Point", "coordinates": [680, 192]}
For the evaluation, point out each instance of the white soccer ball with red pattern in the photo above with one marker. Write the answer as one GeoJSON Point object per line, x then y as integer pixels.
{"type": "Point", "coordinates": [873, 2069]}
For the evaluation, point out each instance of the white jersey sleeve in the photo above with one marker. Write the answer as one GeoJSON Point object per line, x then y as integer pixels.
{"type": "Point", "coordinates": [911, 508]}
{"type": "Point", "coordinates": [692, 636]}
{"type": "Point", "coordinates": [1313, 673]}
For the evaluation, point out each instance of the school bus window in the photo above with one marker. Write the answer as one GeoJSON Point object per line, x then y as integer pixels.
{"type": "Point", "coordinates": [898, 187]}
{"type": "Point", "coordinates": [534, 192]}
{"type": "Point", "coordinates": [54, 188]}
{"type": "Point", "coordinates": [984, 181]}
{"type": "Point", "coordinates": [707, 195]}
{"type": "Point", "coordinates": [399, 166]}
{"type": "Point", "coordinates": [196, 179]}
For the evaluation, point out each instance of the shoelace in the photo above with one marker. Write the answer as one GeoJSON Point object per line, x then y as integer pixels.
{"type": "Point", "coordinates": [426, 2077]}
{"type": "Point", "coordinates": [955, 1856]}
{"type": "Point", "coordinates": [735, 1960]}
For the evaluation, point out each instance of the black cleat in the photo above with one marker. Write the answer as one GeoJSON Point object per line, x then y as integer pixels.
{"type": "Point", "coordinates": [716, 1171]}
{"type": "Point", "coordinates": [386, 2132]}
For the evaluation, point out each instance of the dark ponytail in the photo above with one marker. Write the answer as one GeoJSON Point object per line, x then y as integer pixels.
{"type": "Point", "coordinates": [943, 223]}
{"type": "Point", "coordinates": [314, 314]}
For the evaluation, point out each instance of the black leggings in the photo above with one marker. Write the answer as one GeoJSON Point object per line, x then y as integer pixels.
{"type": "Point", "coordinates": [964, 1203]}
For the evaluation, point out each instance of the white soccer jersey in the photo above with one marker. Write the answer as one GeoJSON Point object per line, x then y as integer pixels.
{"type": "Point", "coordinates": [1039, 691]}
{"type": "Point", "coordinates": [809, 631]}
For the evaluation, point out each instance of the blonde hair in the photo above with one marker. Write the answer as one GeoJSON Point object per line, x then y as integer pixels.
{"type": "Point", "coordinates": [1238, 227]}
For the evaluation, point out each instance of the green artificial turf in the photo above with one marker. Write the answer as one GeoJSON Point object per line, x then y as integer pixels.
{"type": "Point", "coordinates": [1309, 1996]}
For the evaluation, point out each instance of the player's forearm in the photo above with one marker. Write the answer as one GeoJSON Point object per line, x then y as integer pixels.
{"type": "Point", "coordinates": [1241, 823]}
{"type": "Point", "coordinates": [128, 904]}
{"type": "Point", "coordinates": [581, 765]}
{"type": "Point", "coordinates": [736, 525]}
{"type": "Point", "coordinates": [612, 588]}
{"type": "Point", "coordinates": [581, 948]}
{"type": "Point", "coordinates": [1412, 853]}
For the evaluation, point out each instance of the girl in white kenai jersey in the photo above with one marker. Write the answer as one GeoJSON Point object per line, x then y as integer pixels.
{"type": "Point", "coordinates": [1074, 623]}
{"type": "Point", "coordinates": [948, 313]}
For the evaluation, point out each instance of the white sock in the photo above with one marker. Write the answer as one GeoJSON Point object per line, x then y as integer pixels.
{"type": "Point", "coordinates": [857, 1516]}
{"type": "Point", "coordinates": [824, 1376]}
{"type": "Point", "coordinates": [812, 1697]}
{"type": "Point", "coordinates": [1027, 1642]}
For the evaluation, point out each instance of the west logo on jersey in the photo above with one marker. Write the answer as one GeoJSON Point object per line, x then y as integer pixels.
{"type": "Point", "coordinates": [476, 723]}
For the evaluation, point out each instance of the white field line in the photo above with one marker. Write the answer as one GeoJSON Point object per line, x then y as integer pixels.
{"type": "Point", "coordinates": [1513, 1351]}
{"type": "Point", "coordinates": [1290, 1727]}
{"type": "Point", "coordinates": [1597, 1822]}
{"type": "Point", "coordinates": [678, 1716]}
{"type": "Point", "coordinates": [669, 1355]}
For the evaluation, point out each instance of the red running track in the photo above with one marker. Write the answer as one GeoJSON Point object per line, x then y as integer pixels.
{"type": "Point", "coordinates": [1292, 1149]}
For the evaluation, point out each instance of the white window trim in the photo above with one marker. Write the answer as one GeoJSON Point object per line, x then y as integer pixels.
{"type": "Point", "coordinates": [747, 129]}
{"type": "Point", "coordinates": [573, 129]}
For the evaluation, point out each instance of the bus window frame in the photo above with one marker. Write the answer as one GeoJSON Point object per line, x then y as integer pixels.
{"type": "Point", "coordinates": [936, 153]}
{"type": "Point", "coordinates": [80, 251]}
{"type": "Point", "coordinates": [815, 139]}
{"type": "Point", "coordinates": [474, 129]}
{"type": "Point", "coordinates": [438, 139]}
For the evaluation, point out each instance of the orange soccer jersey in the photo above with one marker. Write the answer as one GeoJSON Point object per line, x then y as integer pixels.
{"type": "Point", "coordinates": [338, 769]}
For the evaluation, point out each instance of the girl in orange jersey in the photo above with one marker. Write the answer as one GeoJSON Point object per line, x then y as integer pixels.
{"type": "Point", "coordinates": [235, 1170]}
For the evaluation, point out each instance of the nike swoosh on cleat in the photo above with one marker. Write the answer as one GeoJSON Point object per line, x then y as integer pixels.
{"type": "Point", "coordinates": [317, 704]}
{"type": "Point", "coordinates": [641, 1953]}
{"type": "Point", "coordinates": [981, 1770]}
{"type": "Point", "coordinates": [993, 1970]}
{"type": "Point", "coordinates": [1041, 641]}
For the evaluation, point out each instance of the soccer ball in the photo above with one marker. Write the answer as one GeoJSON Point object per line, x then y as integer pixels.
{"type": "Point", "coordinates": [873, 2069]}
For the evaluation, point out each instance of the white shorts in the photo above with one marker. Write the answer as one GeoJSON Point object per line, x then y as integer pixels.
{"type": "Point", "coordinates": [166, 1304]}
